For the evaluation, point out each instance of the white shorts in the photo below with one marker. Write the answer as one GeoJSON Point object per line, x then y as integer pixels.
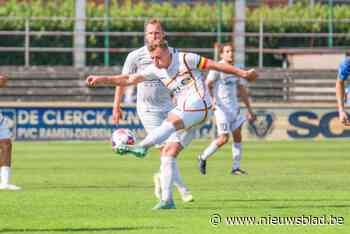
{"type": "Point", "coordinates": [4, 131]}
{"type": "Point", "coordinates": [228, 121]}
{"type": "Point", "coordinates": [151, 120]}
{"type": "Point", "coordinates": [192, 119]}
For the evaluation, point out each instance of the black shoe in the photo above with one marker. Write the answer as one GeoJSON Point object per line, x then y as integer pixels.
{"type": "Point", "coordinates": [238, 171]}
{"type": "Point", "coordinates": [202, 164]}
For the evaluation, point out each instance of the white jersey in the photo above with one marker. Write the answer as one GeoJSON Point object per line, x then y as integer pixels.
{"type": "Point", "coordinates": [225, 89]}
{"type": "Point", "coordinates": [185, 80]}
{"type": "Point", "coordinates": [152, 95]}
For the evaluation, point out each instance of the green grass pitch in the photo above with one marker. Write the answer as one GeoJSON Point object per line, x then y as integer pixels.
{"type": "Point", "coordinates": [82, 187]}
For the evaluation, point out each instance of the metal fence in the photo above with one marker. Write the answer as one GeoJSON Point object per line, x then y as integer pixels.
{"type": "Point", "coordinates": [261, 50]}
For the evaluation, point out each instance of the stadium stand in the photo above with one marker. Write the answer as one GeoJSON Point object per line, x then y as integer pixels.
{"type": "Point", "coordinates": [66, 84]}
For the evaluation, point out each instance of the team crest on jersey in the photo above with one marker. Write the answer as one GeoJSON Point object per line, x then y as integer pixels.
{"type": "Point", "coordinates": [263, 125]}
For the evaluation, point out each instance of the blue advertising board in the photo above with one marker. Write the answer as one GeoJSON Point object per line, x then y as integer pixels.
{"type": "Point", "coordinates": [71, 123]}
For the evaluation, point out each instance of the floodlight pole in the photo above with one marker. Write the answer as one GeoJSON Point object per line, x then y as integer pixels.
{"type": "Point", "coordinates": [106, 38]}
{"type": "Point", "coordinates": [239, 38]}
{"type": "Point", "coordinates": [330, 23]}
{"type": "Point", "coordinates": [79, 34]}
{"type": "Point", "coordinates": [218, 27]}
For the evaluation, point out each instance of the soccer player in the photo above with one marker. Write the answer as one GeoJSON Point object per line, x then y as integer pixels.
{"type": "Point", "coordinates": [223, 90]}
{"type": "Point", "coordinates": [5, 150]}
{"type": "Point", "coordinates": [343, 75]}
{"type": "Point", "coordinates": [181, 73]}
{"type": "Point", "coordinates": [153, 104]}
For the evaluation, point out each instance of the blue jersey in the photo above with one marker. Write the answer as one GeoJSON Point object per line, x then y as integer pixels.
{"type": "Point", "coordinates": [344, 69]}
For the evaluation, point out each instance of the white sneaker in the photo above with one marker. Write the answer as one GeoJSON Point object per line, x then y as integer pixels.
{"type": "Point", "coordinates": [157, 187]}
{"type": "Point", "coordinates": [187, 197]}
{"type": "Point", "coordinates": [9, 187]}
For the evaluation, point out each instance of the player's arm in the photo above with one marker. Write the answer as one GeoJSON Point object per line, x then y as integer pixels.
{"type": "Point", "coordinates": [343, 74]}
{"type": "Point", "coordinates": [3, 80]}
{"type": "Point", "coordinates": [118, 80]}
{"type": "Point", "coordinates": [117, 112]}
{"type": "Point", "coordinates": [249, 75]}
{"type": "Point", "coordinates": [243, 92]}
{"type": "Point", "coordinates": [210, 84]}
{"type": "Point", "coordinates": [340, 93]}
{"type": "Point", "coordinates": [129, 67]}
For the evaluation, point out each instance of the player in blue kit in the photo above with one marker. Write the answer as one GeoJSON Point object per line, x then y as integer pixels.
{"type": "Point", "coordinates": [343, 75]}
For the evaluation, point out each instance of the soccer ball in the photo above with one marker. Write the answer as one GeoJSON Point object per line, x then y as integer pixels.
{"type": "Point", "coordinates": [122, 136]}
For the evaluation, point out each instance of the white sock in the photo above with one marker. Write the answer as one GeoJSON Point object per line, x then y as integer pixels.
{"type": "Point", "coordinates": [167, 166]}
{"type": "Point", "coordinates": [236, 155]}
{"type": "Point", "coordinates": [158, 135]}
{"type": "Point", "coordinates": [5, 174]}
{"type": "Point", "coordinates": [178, 181]}
{"type": "Point", "coordinates": [210, 150]}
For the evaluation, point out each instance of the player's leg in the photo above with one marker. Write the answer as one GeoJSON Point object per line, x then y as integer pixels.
{"type": "Point", "coordinates": [223, 130]}
{"type": "Point", "coordinates": [5, 159]}
{"type": "Point", "coordinates": [171, 149]}
{"type": "Point", "coordinates": [175, 121]}
{"type": "Point", "coordinates": [210, 150]}
{"type": "Point", "coordinates": [150, 121]}
{"type": "Point", "coordinates": [160, 134]}
{"type": "Point", "coordinates": [174, 145]}
{"type": "Point", "coordinates": [237, 146]}
{"type": "Point", "coordinates": [168, 167]}
{"type": "Point", "coordinates": [156, 136]}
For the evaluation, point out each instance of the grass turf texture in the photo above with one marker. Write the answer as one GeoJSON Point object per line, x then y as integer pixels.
{"type": "Point", "coordinates": [82, 187]}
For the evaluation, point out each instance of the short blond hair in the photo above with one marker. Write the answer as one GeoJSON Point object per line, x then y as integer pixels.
{"type": "Point", "coordinates": [153, 21]}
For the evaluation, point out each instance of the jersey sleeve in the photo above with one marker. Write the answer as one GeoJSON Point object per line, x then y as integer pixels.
{"type": "Point", "coordinates": [130, 66]}
{"type": "Point", "coordinates": [196, 61]}
{"type": "Point", "coordinates": [213, 75]}
{"type": "Point", "coordinates": [344, 69]}
{"type": "Point", "coordinates": [150, 73]}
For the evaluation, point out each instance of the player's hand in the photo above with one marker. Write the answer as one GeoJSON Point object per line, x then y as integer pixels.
{"type": "Point", "coordinates": [3, 81]}
{"type": "Point", "coordinates": [92, 80]}
{"type": "Point", "coordinates": [251, 117]}
{"type": "Point", "coordinates": [343, 118]}
{"type": "Point", "coordinates": [251, 75]}
{"type": "Point", "coordinates": [116, 115]}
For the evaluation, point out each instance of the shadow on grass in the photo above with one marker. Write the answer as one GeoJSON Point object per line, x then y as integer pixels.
{"type": "Point", "coordinates": [92, 229]}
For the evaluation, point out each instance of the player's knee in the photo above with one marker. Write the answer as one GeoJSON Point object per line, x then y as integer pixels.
{"type": "Point", "coordinates": [5, 146]}
{"type": "Point", "coordinates": [172, 149]}
{"type": "Point", "coordinates": [222, 139]}
{"type": "Point", "coordinates": [237, 136]}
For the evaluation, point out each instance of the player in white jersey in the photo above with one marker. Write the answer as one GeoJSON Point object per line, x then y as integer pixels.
{"type": "Point", "coordinates": [181, 73]}
{"type": "Point", "coordinates": [153, 104]}
{"type": "Point", "coordinates": [224, 90]}
{"type": "Point", "coordinates": [5, 150]}
{"type": "Point", "coordinates": [343, 76]}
